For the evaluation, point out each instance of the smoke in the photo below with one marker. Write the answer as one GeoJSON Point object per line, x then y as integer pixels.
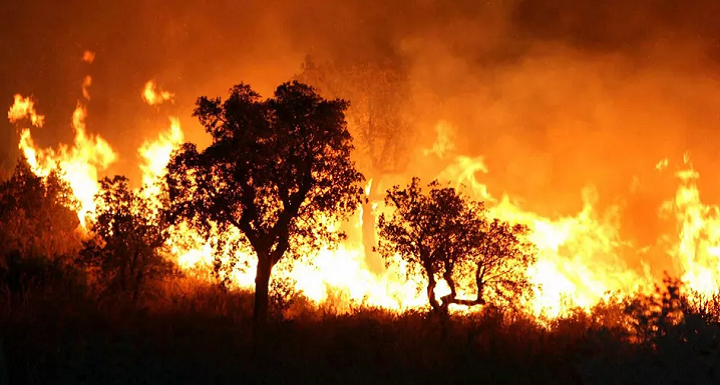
{"type": "Point", "coordinates": [556, 95]}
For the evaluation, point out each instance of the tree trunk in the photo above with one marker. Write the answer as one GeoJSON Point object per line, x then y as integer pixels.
{"type": "Point", "coordinates": [136, 273]}
{"type": "Point", "coordinates": [262, 288]}
{"type": "Point", "coordinates": [431, 293]}
{"type": "Point", "coordinates": [480, 282]}
{"type": "Point", "coordinates": [373, 259]}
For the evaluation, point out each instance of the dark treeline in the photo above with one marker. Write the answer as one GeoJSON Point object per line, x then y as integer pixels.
{"type": "Point", "coordinates": [108, 305]}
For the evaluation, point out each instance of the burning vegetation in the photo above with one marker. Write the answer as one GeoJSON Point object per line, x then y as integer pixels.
{"type": "Point", "coordinates": [358, 224]}
{"type": "Point", "coordinates": [272, 184]}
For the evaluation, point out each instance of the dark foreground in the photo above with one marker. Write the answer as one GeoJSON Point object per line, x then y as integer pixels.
{"type": "Point", "coordinates": [205, 338]}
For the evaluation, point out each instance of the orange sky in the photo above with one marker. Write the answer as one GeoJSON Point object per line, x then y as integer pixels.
{"type": "Point", "coordinates": [556, 94]}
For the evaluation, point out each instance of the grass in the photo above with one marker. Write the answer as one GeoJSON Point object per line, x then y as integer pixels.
{"type": "Point", "coordinates": [203, 336]}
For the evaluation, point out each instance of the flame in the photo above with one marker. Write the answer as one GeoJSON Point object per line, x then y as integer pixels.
{"type": "Point", "coordinates": [86, 85]}
{"type": "Point", "coordinates": [444, 143]}
{"type": "Point", "coordinates": [154, 96]}
{"type": "Point", "coordinates": [80, 162]}
{"type": "Point", "coordinates": [88, 56]}
{"type": "Point", "coordinates": [697, 250]}
{"type": "Point", "coordinates": [22, 108]}
{"type": "Point", "coordinates": [155, 155]}
{"type": "Point", "coordinates": [581, 257]}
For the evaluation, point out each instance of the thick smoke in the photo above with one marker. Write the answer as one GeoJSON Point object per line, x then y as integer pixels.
{"type": "Point", "coordinates": [556, 95]}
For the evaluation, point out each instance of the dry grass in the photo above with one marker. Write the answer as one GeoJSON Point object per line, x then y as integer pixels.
{"type": "Point", "coordinates": [199, 334]}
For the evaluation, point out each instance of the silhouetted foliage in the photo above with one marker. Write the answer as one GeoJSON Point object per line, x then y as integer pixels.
{"type": "Point", "coordinates": [129, 234]}
{"type": "Point", "coordinates": [38, 216]}
{"type": "Point", "coordinates": [674, 340]}
{"type": "Point", "coordinates": [38, 232]}
{"type": "Point", "coordinates": [283, 294]}
{"type": "Point", "coordinates": [276, 169]}
{"type": "Point", "coordinates": [20, 274]}
{"type": "Point", "coordinates": [654, 317]}
{"type": "Point", "coordinates": [448, 236]}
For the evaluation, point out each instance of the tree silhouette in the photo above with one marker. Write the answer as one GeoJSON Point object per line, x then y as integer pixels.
{"type": "Point", "coordinates": [38, 230]}
{"type": "Point", "coordinates": [38, 216]}
{"type": "Point", "coordinates": [445, 235]}
{"type": "Point", "coordinates": [126, 252]}
{"type": "Point", "coordinates": [276, 169]}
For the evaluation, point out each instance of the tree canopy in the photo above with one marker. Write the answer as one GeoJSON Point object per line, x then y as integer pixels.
{"type": "Point", "coordinates": [278, 170]}
{"type": "Point", "coordinates": [38, 216]}
{"type": "Point", "coordinates": [130, 233]}
{"type": "Point", "coordinates": [445, 235]}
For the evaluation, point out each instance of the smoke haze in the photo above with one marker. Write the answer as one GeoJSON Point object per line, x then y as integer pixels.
{"type": "Point", "coordinates": [556, 95]}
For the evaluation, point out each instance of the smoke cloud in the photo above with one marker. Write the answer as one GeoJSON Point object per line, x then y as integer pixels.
{"type": "Point", "coordinates": [556, 95]}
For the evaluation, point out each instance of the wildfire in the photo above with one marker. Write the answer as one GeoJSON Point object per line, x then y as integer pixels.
{"type": "Point", "coordinates": [580, 256]}
{"type": "Point", "coordinates": [154, 96]}
{"type": "Point", "coordinates": [88, 56]}
{"type": "Point", "coordinates": [22, 108]}
{"type": "Point", "coordinates": [80, 162]}
{"type": "Point", "coordinates": [698, 249]}
{"type": "Point", "coordinates": [155, 155]}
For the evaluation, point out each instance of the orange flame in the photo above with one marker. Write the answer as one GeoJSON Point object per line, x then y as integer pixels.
{"type": "Point", "coordinates": [81, 162]}
{"type": "Point", "coordinates": [88, 56]}
{"type": "Point", "coordinates": [22, 108]}
{"type": "Point", "coordinates": [580, 256]}
{"type": "Point", "coordinates": [154, 96]}
{"type": "Point", "coordinates": [698, 247]}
